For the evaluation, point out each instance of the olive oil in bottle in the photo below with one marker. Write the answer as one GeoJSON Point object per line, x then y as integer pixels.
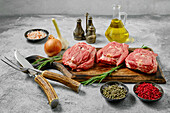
{"type": "Point", "coordinates": [117, 32]}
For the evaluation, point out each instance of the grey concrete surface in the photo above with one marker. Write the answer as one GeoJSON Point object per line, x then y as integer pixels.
{"type": "Point", "coordinates": [20, 94]}
{"type": "Point", "coordinates": [79, 7]}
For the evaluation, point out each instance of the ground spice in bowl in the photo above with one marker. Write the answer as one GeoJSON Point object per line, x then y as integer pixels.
{"type": "Point", "coordinates": [114, 91]}
{"type": "Point", "coordinates": [148, 91]}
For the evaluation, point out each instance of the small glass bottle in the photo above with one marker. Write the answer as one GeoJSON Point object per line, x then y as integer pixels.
{"type": "Point", "coordinates": [91, 35]}
{"type": "Point", "coordinates": [78, 33]}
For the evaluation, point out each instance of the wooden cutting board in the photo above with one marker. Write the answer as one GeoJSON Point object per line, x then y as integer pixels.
{"type": "Point", "coordinates": [123, 74]}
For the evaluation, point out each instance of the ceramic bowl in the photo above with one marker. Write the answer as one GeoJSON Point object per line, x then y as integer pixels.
{"type": "Point", "coordinates": [120, 84]}
{"type": "Point", "coordinates": [35, 40]}
{"type": "Point", "coordinates": [154, 84]}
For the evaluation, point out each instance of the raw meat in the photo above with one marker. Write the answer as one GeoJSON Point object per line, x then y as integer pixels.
{"type": "Point", "coordinates": [80, 57]}
{"type": "Point", "coordinates": [113, 53]}
{"type": "Point", "coordinates": [143, 60]}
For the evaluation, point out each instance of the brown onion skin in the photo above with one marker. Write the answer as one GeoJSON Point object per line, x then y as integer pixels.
{"type": "Point", "coordinates": [52, 47]}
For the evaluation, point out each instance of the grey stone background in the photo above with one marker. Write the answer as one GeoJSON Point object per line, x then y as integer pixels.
{"type": "Point", "coordinates": [148, 23]}
{"type": "Point", "coordinates": [79, 7]}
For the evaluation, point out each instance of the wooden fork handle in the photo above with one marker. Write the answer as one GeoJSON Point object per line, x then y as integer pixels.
{"type": "Point", "coordinates": [62, 69]}
{"type": "Point", "coordinates": [62, 79]}
{"type": "Point", "coordinates": [48, 89]}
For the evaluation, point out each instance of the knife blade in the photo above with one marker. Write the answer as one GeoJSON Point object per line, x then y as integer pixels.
{"type": "Point", "coordinates": [50, 75]}
{"type": "Point", "coordinates": [44, 84]}
{"type": "Point", "coordinates": [24, 63]}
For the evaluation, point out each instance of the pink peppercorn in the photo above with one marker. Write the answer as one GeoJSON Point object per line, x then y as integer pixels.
{"type": "Point", "coordinates": [148, 91]}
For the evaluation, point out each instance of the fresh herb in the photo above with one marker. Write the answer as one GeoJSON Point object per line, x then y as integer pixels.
{"type": "Point", "coordinates": [42, 62]}
{"type": "Point", "coordinates": [100, 77]}
{"type": "Point", "coordinates": [144, 47]}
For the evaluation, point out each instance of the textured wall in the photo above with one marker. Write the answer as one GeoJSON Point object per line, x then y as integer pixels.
{"type": "Point", "coordinates": [79, 7]}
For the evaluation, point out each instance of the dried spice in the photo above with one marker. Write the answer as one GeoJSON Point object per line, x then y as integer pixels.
{"type": "Point", "coordinates": [114, 92]}
{"type": "Point", "coordinates": [148, 91]}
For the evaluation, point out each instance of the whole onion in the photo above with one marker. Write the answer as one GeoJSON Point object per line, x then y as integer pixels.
{"type": "Point", "coordinates": [53, 46]}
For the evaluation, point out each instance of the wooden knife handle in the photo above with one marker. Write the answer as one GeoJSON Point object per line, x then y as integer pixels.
{"type": "Point", "coordinates": [62, 79]}
{"type": "Point", "coordinates": [48, 89]}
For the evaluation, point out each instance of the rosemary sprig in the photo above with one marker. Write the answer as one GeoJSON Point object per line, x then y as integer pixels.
{"type": "Point", "coordinates": [39, 60]}
{"type": "Point", "coordinates": [100, 77]}
{"type": "Point", "coordinates": [144, 47]}
{"type": "Point", "coordinates": [43, 61]}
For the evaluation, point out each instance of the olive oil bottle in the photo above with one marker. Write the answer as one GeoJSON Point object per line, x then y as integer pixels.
{"type": "Point", "coordinates": [116, 31]}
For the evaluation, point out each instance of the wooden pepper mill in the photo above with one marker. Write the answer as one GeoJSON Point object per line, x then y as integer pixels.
{"type": "Point", "coordinates": [78, 33]}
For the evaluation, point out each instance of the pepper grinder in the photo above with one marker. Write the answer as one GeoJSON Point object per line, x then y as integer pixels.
{"type": "Point", "coordinates": [78, 33]}
{"type": "Point", "coordinates": [90, 23]}
{"type": "Point", "coordinates": [91, 35]}
{"type": "Point", "coordinates": [87, 14]}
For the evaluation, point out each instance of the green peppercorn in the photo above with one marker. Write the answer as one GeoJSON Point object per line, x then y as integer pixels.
{"type": "Point", "coordinates": [114, 92]}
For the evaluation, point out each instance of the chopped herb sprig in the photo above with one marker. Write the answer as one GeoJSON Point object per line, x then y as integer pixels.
{"type": "Point", "coordinates": [43, 61]}
{"type": "Point", "coordinates": [100, 77]}
{"type": "Point", "coordinates": [144, 47]}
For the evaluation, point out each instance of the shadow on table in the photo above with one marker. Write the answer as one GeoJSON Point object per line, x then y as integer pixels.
{"type": "Point", "coordinates": [63, 87]}
{"type": "Point", "coordinates": [162, 104]}
{"type": "Point", "coordinates": [128, 102]}
{"type": "Point", "coordinates": [98, 36]}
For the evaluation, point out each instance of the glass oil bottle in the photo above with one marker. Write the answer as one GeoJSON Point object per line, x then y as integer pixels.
{"type": "Point", "coordinates": [117, 31]}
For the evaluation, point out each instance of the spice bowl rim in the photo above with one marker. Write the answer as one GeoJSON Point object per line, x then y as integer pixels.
{"type": "Point", "coordinates": [154, 84]}
{"type": "Point", "coordinates": [111, 83]}
{"type": "Point", "coordinates": [38, 29]}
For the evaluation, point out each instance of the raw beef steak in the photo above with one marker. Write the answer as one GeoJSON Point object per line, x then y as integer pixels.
{"type": "Point", "coordinates": [80, 57]}
{"type": "Point", "coordinates": [143, 60]}
{"type": "Point", "coordinates": [113, 53]}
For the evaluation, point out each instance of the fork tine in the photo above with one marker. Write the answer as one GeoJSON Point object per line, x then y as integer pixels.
{"type": "Point", "coordinates": [10, 65]}
{"type": "Point", "coordinates": [17, 67]}
{"type": "Point", "coordinates": [12, 62]}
